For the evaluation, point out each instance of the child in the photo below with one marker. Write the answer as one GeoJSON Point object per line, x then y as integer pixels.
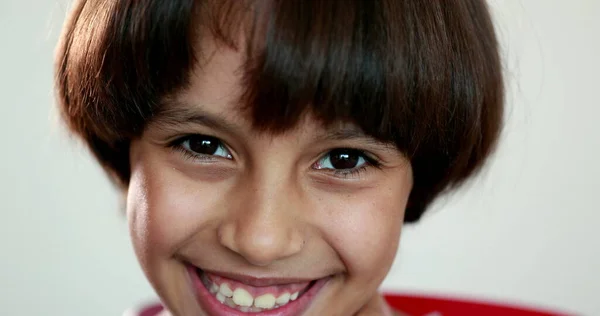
{"type": "Point", "coordinates": [270, 150]}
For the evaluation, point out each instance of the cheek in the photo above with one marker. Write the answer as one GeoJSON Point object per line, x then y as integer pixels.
{"type": "Point", "coordinates": [165, 210]}
{"type": "Point", "coordinates": [364, 229]}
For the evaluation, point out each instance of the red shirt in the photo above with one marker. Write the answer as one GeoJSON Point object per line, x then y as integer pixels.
{"type": "Point", "coordinates": [423, 306]}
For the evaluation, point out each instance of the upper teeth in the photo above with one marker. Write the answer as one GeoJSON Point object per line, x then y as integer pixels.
{"type": "Point", "coordinates": [283, 299]}
{"type": "Point", "coordinates": [265, 301]}
{"type": "Point", "coordinates": [225, 290]}
{"type": "Point", "coordinates": [294, 296]}
{"type": "Point", "coordinates": [241, 297]}
{"type": "Point", "coordinates": [244, 300]}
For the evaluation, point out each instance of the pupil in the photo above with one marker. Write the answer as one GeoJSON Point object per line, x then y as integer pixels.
{"type": "Point", "coordinates": [344, 158]}
{"type": "Point", "coordinates": [204, 145]}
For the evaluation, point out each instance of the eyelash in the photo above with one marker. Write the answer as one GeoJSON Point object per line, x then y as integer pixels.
{"type": "Point", "coordinates": [370, 162]}
{"type": "Point", "coordinates": [188, 155]}
{"type": "Point", "coordinates": [350, 173]}
{"type": "Point", "coordinates": [356, 172]}
{"type": "Point", "coordinates": [177, 145]}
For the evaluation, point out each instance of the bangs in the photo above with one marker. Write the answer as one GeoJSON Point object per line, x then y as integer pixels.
{"type": "Point", "coordinates": [423, 75]}
{"type": "Point", "coordinates": [403, 72]}
{"type": "Point", "coordinates": [330, 59]}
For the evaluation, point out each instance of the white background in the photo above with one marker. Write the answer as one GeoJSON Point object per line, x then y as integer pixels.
{"type": "Point", "coordinates": [523, 232]}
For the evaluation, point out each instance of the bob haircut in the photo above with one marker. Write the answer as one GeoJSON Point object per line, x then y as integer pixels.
{"type": "Point", "coordinates": [423, 75]}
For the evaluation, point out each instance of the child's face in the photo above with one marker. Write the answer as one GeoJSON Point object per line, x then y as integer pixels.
{"type": "Point", "coordinates": [266, 214]}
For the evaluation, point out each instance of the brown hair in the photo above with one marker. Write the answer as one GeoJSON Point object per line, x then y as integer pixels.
{"type": "Point", "coordinates": [425, 75]}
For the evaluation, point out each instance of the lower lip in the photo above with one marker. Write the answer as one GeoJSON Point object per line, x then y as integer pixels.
{"type": "Point", "coordinates": [211, 305]}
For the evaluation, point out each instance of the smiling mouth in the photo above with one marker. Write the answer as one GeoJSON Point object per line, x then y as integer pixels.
{"type": "Point", "coordinates": [239, 295]}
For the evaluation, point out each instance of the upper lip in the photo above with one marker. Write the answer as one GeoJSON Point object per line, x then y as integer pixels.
{"type": "Point", "coordinates": [259, 281]}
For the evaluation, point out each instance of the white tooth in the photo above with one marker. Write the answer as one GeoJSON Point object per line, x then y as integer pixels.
{"type": "Point", "coordinates": [242, 298]}
{"type": "Point", "coordinates": [283, 299]}
{"type": "Point", "coordinates": [226, 290]}
{"type": "Point", "coordinates": [229, 302]}
{"type": "Point", "coordinates": [214, 288]}
{"type": "Point", "coordinates": [244, 309]}
{"type": "Point", "coordinates": [220, 297]}
{"type": "Point", "coordinates": [265, 301]}
{"type": "Point", "coordinates": [294, 296]}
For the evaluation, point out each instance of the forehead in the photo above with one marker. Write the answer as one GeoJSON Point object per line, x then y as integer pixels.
{"type": "Point", "coordinates": [273, 72]}
{"type": "Point", "coordinates": [214, 96]}
{"type": "Point", "coordinates": [216, 79]}
{"type": "Point", "coordinates": [258, 62]}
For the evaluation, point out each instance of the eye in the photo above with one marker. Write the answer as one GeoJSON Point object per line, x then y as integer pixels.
{"type": "Point", "coordinates": [343, 159]}
{"type": "Point", "coordinates": [202, 145]}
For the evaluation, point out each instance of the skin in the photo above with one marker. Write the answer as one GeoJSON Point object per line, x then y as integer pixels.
{"type": "Point", "coordinates": [270, 210]}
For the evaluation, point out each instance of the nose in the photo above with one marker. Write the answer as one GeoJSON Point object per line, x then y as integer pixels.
{"type": "Point", "coordinates": [264, 225]}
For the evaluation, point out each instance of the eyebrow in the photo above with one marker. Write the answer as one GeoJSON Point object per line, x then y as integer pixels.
{"type": "Point", "coordinates": [173, 114]}
{"type": "Point", "coordinates": [354, 133]}
{"type": "Point", "coordinates": [345, 133]}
